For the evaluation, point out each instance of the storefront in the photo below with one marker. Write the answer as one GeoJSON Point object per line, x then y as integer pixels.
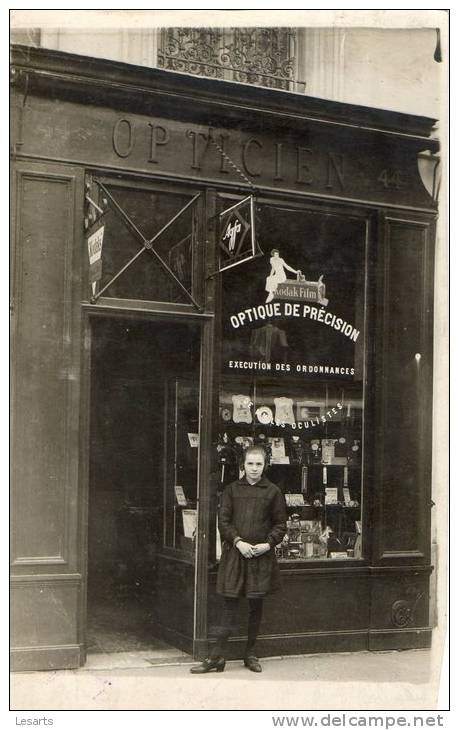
{"type": "Point", "coordinates": [200, 265]}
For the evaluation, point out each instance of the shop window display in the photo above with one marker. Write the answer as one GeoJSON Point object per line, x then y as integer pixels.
{"type": "Point", "coordinates": [292, 375]}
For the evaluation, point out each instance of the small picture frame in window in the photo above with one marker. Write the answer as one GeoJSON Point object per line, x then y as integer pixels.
{"type": "Point", "coordinates": [308, 410]}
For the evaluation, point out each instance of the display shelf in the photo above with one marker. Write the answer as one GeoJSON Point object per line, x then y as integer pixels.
{"type": "Point", "coordinates": [314, 559]}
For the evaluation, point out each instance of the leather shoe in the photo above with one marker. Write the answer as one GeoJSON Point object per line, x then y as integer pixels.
{"type": "Point", "coordinates": [252, 663]}
{"type": "Point", "coordinates": [217, 663]}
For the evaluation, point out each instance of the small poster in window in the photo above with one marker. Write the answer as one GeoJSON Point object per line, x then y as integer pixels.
{"type": "Point", "coordinates": [331, 495]}
{"type": "Point", "coordinates": [328, 451]}
{"type": "Point", "coordinates": [284, 410]}
{"type": "Point", "coordinates": [180, 496]}
{"type": "Point", "coordinates": [241, 409]}
{"type": "Point", "coordinates": [190, 518]}
{"type": "Point", "coordinates": [95, 242]}
{"type": "Point", "coordinates": [193, 438]}
{"type": "Point", "coordinates": [278, 455]}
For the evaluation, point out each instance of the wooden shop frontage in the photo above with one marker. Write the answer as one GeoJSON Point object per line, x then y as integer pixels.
{"type": "Point", "coordinates": [199, 266]}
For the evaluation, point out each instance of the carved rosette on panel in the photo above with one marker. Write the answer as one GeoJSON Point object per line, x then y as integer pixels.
{"type": "Point", "coordinates": [402, 611]}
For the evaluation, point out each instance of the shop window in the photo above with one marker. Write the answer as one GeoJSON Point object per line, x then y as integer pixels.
{"type": "Point", "coordinates": [293, 372]}
{"type": "Point", "coordinates": [148, 249]}
{"type": "Point", "coordinates": [259, 56]}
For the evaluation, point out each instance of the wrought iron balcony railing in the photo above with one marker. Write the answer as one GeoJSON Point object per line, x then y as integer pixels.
{"type": "Point", "coordinates": [260, 56]}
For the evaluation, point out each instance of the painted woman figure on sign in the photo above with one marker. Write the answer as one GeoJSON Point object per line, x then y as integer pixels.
{"type": "Point", "coordinates": [277, 274]}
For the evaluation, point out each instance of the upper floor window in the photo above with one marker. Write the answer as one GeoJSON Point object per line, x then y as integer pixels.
{"type": "Point", "coordinates": [259, 56]}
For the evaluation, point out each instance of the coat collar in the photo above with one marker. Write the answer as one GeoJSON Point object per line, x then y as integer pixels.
{"type": "Point", "coordinates": [264, 482]}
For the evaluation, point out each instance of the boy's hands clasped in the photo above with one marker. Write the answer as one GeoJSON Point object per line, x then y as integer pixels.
{"type": "Point", "coordinates": [252, 551]}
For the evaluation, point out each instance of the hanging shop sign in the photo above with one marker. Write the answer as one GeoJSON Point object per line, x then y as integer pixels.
{"type": "Point", "coordinates": [237, 234]}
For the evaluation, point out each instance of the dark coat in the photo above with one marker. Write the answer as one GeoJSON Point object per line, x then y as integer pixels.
{"type": "Point", "coordinates": [256, 513]}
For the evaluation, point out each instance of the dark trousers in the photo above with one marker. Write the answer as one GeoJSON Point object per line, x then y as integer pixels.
{"type": "Point", "coordinates": [228, 621]}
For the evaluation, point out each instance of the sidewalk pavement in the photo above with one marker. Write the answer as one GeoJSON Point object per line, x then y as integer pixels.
{"type": "Point", "coordinates": [406, 680]}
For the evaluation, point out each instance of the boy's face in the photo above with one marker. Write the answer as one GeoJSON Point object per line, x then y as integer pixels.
{"type": "Point", "coordinates": [253, 466]}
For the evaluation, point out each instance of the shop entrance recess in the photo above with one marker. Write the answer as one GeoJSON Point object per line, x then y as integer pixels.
{"type": "Point", "coordinates": [143, 495]}
{"type": "Point", "coordinates": [148, 386]}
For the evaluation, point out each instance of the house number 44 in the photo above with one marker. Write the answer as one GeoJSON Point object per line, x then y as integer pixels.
{"type": "Point", "coordinates": [391, 179]}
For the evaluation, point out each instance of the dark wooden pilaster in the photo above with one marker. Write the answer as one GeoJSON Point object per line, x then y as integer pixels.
{"type": "Point", "coordinates": [205, 531]}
